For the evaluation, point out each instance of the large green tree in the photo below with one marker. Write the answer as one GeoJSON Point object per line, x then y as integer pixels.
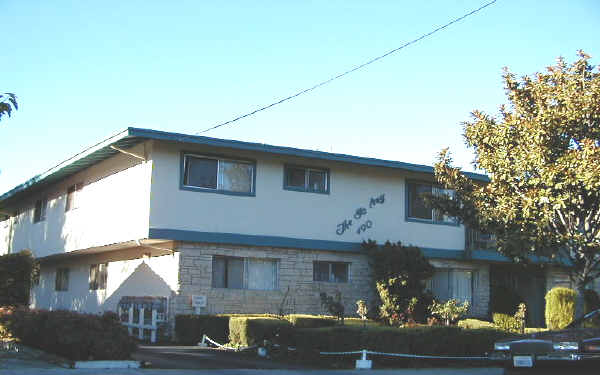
{"type": "Point", "coordinates": [8, 102]}
{"type": "Point", "coordinates": [542, 156]}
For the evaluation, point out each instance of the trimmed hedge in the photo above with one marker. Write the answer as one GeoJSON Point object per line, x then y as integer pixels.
{"type": "Point", "coordinates": [247, 331]}
{"type": "Point", "coordinates": [475, 324]}
{"type": "Point", "coordinates": [190, 328]}
{"type": "Point", "coordinates": [311, 321]}
{"type": "Point", "coordinates": [436, 340]}
{"type": "Point", "coordinates": [69, 334]}
{"type": "Point", "coordinates": [560, 307]}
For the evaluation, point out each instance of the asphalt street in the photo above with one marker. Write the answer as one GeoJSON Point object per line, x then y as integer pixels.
{"type": "Point", "coordinates": [171, 360]}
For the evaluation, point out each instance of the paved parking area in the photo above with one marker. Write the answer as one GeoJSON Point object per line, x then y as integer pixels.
{"type": "Point", "coordinates": [193, 357]}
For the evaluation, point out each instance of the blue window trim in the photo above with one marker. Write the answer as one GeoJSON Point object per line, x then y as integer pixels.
{"type": "Point", "coordinates": [182, 186]}
{"type": "Point", "coordinates": [407, 206]}
{"type": "Point", "coordinates": [292, 188]}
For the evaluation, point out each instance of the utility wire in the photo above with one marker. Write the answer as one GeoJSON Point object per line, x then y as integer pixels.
{"type": "Point", "coordinates": [323, 83]}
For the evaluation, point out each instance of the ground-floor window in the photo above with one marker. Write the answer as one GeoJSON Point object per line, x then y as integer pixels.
{"type": "Point", "coordinates": [334, 272]}
{"type": "Point", "coordinates": [98, 276]}
{"type": "Point", "coordinates": [61, 282]}
{"type": "Point", "coordinates": [245, 273]}
{"type": "Point", "coordinates": [456, 284]}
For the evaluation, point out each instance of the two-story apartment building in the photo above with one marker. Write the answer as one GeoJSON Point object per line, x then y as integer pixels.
{"type": "Point", "coordinates": [246, 227]}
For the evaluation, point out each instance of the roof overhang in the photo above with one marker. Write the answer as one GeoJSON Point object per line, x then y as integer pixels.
{"type": "Point", "coordinates": [152, 247]}
{"type": "Point", "coordinates": [132, 136]}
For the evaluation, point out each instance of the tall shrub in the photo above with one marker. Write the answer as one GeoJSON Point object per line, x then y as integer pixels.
{"type": "Point", "coordinates": [16, 273]}
{"type": "Point", "coordinates": [560, 307]}
{"type": "Point", "coordinates": [399, 273]}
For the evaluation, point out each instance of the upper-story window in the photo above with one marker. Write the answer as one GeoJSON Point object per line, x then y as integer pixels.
{"type": "Point", "coordinates": [418, 210]}
{"type": "Point", "coordinates": [218, 175]}
{"type": "Point", "coordinates": [73, 196]}
{"type": "Point", "coordinates": [476, 240]}
{"type": "Point", "coordinates": [308, 179]}
{"type": "Point", "coordinates": [39, 211]}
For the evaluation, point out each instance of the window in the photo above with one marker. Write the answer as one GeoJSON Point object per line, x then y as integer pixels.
{"type": "Point", "coordinates": [476, 240]}
{"type": "Point", "coordinates": [39, 212]}
{"type": "Point", "coordinates": [333, 272]}
{"type": "Point", "coordinates": [73, 196]}
{"type": "Point", "coordinates": [61, 283]}
{"type": "Point", "coordinates": [218, 175]}
{"type": "Point", "coordinates": [244, 273]}
{"type": "Point", "coordinates": [452, 284]}
{"type": "Point", "coordinates": [98, 276]}
{"type": "Point", "coordinates": [417, 209]}
{"type": "Point", "coordinates": [306, 179]}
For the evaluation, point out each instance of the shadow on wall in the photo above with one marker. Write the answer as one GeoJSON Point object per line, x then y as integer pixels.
{"type": "Point", "coordinates": [142, 282]}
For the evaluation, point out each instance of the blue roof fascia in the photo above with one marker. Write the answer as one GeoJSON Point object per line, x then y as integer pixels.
{"type": "Point", "coordinates": [279, 241]}
{"type": "Point", "coordinates": [249, 146]}
{"type": "Point", "coordinates": [495, 256]}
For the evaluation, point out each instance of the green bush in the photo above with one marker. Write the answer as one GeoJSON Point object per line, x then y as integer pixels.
{"type": "Point", "coordinates": [475, 324]}
{"type": "Point", "coordinates": [190, 328]}
{"type": "Point", "coordinates": [247, 331]}
{"type": "Point", "coordinates": [449, 311]}
{"type": "Point", "coordinates": [506, 322]}
{"type": "Point", "coordinates": [504, 300]}
{"type": "Point", "coordinates": [16, 273]}
{"type": "Point", "coordinates": [437, 340]}
{"type": "Point", "coordinates": [69, 334]}
{"type": "Point", "coordinates": [310, 321]}
{"type": "Point", "coordinates": [560, 307]}
{"type": "Point", "coordinates": [399, 274]}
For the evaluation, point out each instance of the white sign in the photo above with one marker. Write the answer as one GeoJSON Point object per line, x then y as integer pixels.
{"type": "Point", "coordinates": [198, 301]}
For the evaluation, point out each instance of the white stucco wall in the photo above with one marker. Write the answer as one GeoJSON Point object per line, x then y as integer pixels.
{"type": "Point", "coordinates": [278, 212]}
{"type": "Point", "coordinates": [155, 276]}
{"type": "Point", "coordinates": [113, 207]}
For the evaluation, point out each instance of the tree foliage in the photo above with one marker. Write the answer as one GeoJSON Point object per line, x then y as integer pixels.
{"type": "Point", "coordinates": [542, 156]}
{"type": "Point", "coordinates": [8, 102]}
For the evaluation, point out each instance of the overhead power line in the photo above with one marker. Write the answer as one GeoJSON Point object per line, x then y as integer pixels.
{"type": "Point", "coordinates": [323, 83]}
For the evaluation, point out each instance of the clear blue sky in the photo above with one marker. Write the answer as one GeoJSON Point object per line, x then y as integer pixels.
{"type": "Point", "coordinates": [84, 70]}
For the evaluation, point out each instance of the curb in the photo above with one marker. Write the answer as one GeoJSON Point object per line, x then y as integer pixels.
{"type": "Point", "coordinates": [106, 364]}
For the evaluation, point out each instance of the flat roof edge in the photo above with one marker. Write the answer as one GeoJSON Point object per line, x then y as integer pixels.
{"type": "Point", "coordinates": [283, 150]}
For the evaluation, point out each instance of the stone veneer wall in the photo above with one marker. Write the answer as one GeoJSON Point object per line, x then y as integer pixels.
{"type": "Point", "coordinates": [295, 273]}
{"type": "Point", "coordinates": [481, 283]}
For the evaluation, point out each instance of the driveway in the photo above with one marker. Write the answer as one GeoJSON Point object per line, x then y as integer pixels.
{"type": "Point", "coordinates": [194, 357]}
